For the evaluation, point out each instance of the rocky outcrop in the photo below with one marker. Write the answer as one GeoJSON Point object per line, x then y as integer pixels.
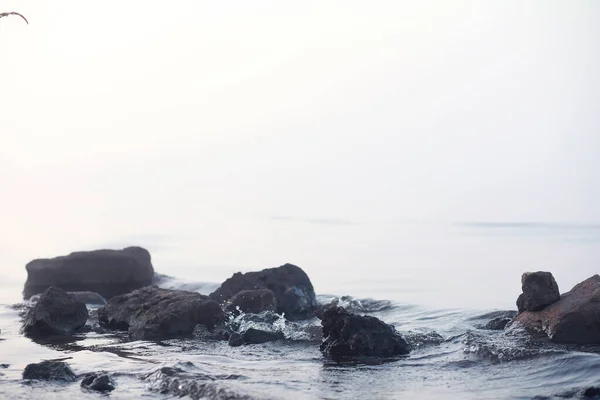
{"type": "Point", "coordinates": [575, 318]}
{"type": "Point", "coordinates": [98, 382]}
{"type": "Point", "coordinates": [348, 335]}
{"type": "Point", "coordinates": [106, 272]}
{"type": "Point", "coordinates": [539, 291]}
{"type": "Point", "coordinates": [252, 301]}
{"type": "Point", "coordinates": [49, 371]}
{"type": "Point", "coordinates": [56, 313]}
{"type": "Point", "coordinates": [152, 313]}
{"type": "Point", "coordinates": [293, 290]}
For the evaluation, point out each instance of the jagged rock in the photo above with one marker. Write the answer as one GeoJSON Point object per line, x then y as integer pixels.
{"type": "Point", "coordinates": [49, 371]}
{"type": "Point", "coordinates": [539, 291]}
{"type": "Point", "coordinates": [98, 381]}
{"type": "Point", "coordinates": [293, 290]}
{"type": "Point", "coordinates": [56, 313]}
{"type": "Point", "coordinates": [575, 318]}
{"type": "Point", "coordinates": [252, 301]}
{"type": "Point", "coordinates": [500, 322]}
{"type": "Point", "coordinates": [348, 335]}
{"type": "Point", "coordinates": [106, 272]}
{"type": "Point", "coordinates": [152, 313]}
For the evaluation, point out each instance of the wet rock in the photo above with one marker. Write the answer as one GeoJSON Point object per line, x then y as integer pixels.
{"type": "Point", "coordinates": [500, 322]}
{"type": "Point", "coordinates": [4, 366]}
{"type": "Point", "coordinates": [220, 332]}
{"type": "Point", "coordinates": [98, 381]}
{"type": "Point", "coordinates": [575, 318]}
{"type": "Point", "coordinates": [49, 371]}
{"type": "Point", "coordinates": [593, 392]}
{"type": "Point", "coordinates": [106, 272]}
{"type": "Point", "coordinates": [293, 290]}
{"type": "Point", "coordinates": [539, 291]}
{"type": "Point", "coordinates": [152, 313]}
{"type": "Point", "coordinates": [258, 336]}
{"type": "Point", "coordinates": [348, 335]}
{"type": "Point", "coordinates": [56, 313]}
{"type": "Point", "coordinates": [252, 301]}
{"type": "Point", "coordinates": [236, 339]}
{"type": "Point", "coordinates": [89, 298]}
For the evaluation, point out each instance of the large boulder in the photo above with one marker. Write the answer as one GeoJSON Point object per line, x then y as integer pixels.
{"type": "Point", "coordinates": [56, 313]}
{"type": "Point", "coordinates": [51, 370]}
{"type": "Point", "coordinates": [348, 336]}
{"type": "Point", "coordinates": [575, 318]}
{"type": "Point", "coordinates": [293, 290]}
{"type": "Point", "coordinates": [152, 313]}
{"type": "Point", "coordinates": [539, 290]}
{"type": "Point", "coordinates": [106, 272]}
{"type": "Point", "coordinates": [253, 301]}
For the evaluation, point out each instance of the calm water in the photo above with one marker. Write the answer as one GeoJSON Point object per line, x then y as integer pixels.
{"type": "Point", "coordinates": [441, 282]}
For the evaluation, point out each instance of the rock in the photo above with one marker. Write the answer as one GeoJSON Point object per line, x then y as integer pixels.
{"type": "Point", "coordinates": [49, 371]}
{"type": "Point", "coordinates": [348, 335]}
{"type": "Point", "coordinates": [106, 272]}
{"type": "Point", "coordinates": [89, 298]}
{"type": "Point", "coordinates": [219, 332]}
{"type": "Point", "coordinates": [98, 381]}
{"type": "Point", "coordinates": [575, 318]}
{"type": "Point", "coordinates": [152, 313]}
{"type": "Point", "coordinates": [293, 290]}
{"type": "Point", "coordinates": [499, 323]}
{"type": "Point", "coordinates": [592, 392]}
{"type": "Point", "coordinates": [258, 336]}
{"type": "Point", "coordinates": [236, 339]}
{"type": "Point", "coordinates": [252, 301]}
{"type": "Point", "coordinates": [56, 313]}
{"type": "Point", "coordinates": [539, 291]}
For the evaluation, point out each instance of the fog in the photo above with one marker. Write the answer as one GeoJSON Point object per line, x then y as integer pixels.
{"type": "Point", "coordinates": [257, 131]}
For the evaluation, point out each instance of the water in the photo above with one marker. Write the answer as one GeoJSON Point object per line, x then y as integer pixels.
{"type": "Point", "coordinates": [437, 283]}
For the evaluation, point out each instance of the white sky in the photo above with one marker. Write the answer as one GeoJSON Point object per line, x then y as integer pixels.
{"type": "Point", "coordinates": [129, 117]}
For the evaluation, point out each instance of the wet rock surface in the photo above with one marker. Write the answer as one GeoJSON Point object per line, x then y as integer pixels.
{"type": "Point", "coordinates": [539, 291]}
{"type": "Point", "coordinates": [293, 290]}
{"type": "Point", "coordinates": [252, 301]}
{"type": "Point", "coordinates": [56, 313]}
{"type": "Point", "coordinates": [500, 322]}
{"type": "Point", "coordinates": [49, 371]}
{"type": "Point", "coordinates": [348, 335]}
{"type": "Point", "coordinates": [575, 318]}
{"type": "Point", "coordinates": [254, 336]}
{"type": "Point", "coordinates": [106, 272]}
{"type": "Point", "coordinates": [152, 313]}
{"type": "Point", "coordinates": [98, 382]}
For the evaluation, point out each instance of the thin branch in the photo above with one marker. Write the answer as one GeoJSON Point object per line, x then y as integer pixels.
{"type": "Point", "coordinates": [6, 14]}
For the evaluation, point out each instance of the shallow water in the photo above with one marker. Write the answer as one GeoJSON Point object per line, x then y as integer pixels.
{"type": "Point", "coordinates": [438, 296]}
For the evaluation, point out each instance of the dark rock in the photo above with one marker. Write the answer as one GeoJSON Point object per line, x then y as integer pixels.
{"type": "Point", "coordinates": [258, 336]}
{"type": "Point", "coordinates": [56, 313]}
{"type": "Point", "coordinates": [4, 366]}
{"type": "Point", "coordinates": [219, 332]}
{"type": "Point", "coordinates": [293, 290]}
{"type": "Point", "coordinates": [236, 339]}
{"type": "Point", "coordinates": [539, 291]}
{"type": "Point", "coordinates": [152, 313]}
{"type": "Point", "coordinates": [575, 318]}
{"type": "Point", "coordinates": [593, 392]}
{"type": "Point", "coordinates": [89, 298]}
{"type": "Point", "coordinates": [253, 301]}
{"type": "Point", "coordinates": [500, 322]}
{"type": "Point", "coordinates": [106, 272]}
{"type": "Point", "coordinates": [98, 381]}
{"type": "Point", "coordinates": [49, 371]}
{"type": "Point", "coordinates": [348, 335]}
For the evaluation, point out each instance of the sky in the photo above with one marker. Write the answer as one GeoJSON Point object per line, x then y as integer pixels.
{"type": "Point", "coordinates": [200, 118]}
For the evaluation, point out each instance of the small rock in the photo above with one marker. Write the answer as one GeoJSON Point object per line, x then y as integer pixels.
{"type": "Point", "coordinates": [56, 313]}
{"type": "Point", "coordinates": [218, 333]}
{"type": "Point", "coordinates": [236, 339]}
{"type": "Point", "coordinates": [500, 322]}
{"type": "Point", "coordinates": [49, 371]}
{"type": "Point", "coordinates": [98, 381]}
{"type": "Point", "coordinates": [348, 335]}
{"type": "Point", "coordinates": [253, 301]}
{"type": "Point", "coordinates": [258, 336]}
{"type": "Point", "coordinates": [593, 392]}
{"type": "Point", "coordinates": [539, 291]}
{"type": "Point", "coordinates": [89, 298]}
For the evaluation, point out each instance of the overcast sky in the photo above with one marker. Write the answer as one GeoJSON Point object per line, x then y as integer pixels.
{"type": "Point", "coordinates": [129, 117]}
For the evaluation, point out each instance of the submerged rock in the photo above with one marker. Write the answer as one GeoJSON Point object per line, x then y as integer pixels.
{"type": "Point", "coordinates": [293, 290]}
{"type": "Point", "coordinates": [253, 301]}
{"type": "Point", "coordinates": [107, 272]}
{"type": "Point", "coordinates": [98, 381]}
{"type": "Point", "coordinates": [539, 291]}
{"type": "Point", "coordinates": [348, 335]}
{"type": "Point", "coordinates": [49, 371]}
{"type": "Point", "coordinates": [56, 313]}
{"type": "Point", "coordinates": [153, 313]}
{"type": "Point", "coordinates": [575, 318]}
